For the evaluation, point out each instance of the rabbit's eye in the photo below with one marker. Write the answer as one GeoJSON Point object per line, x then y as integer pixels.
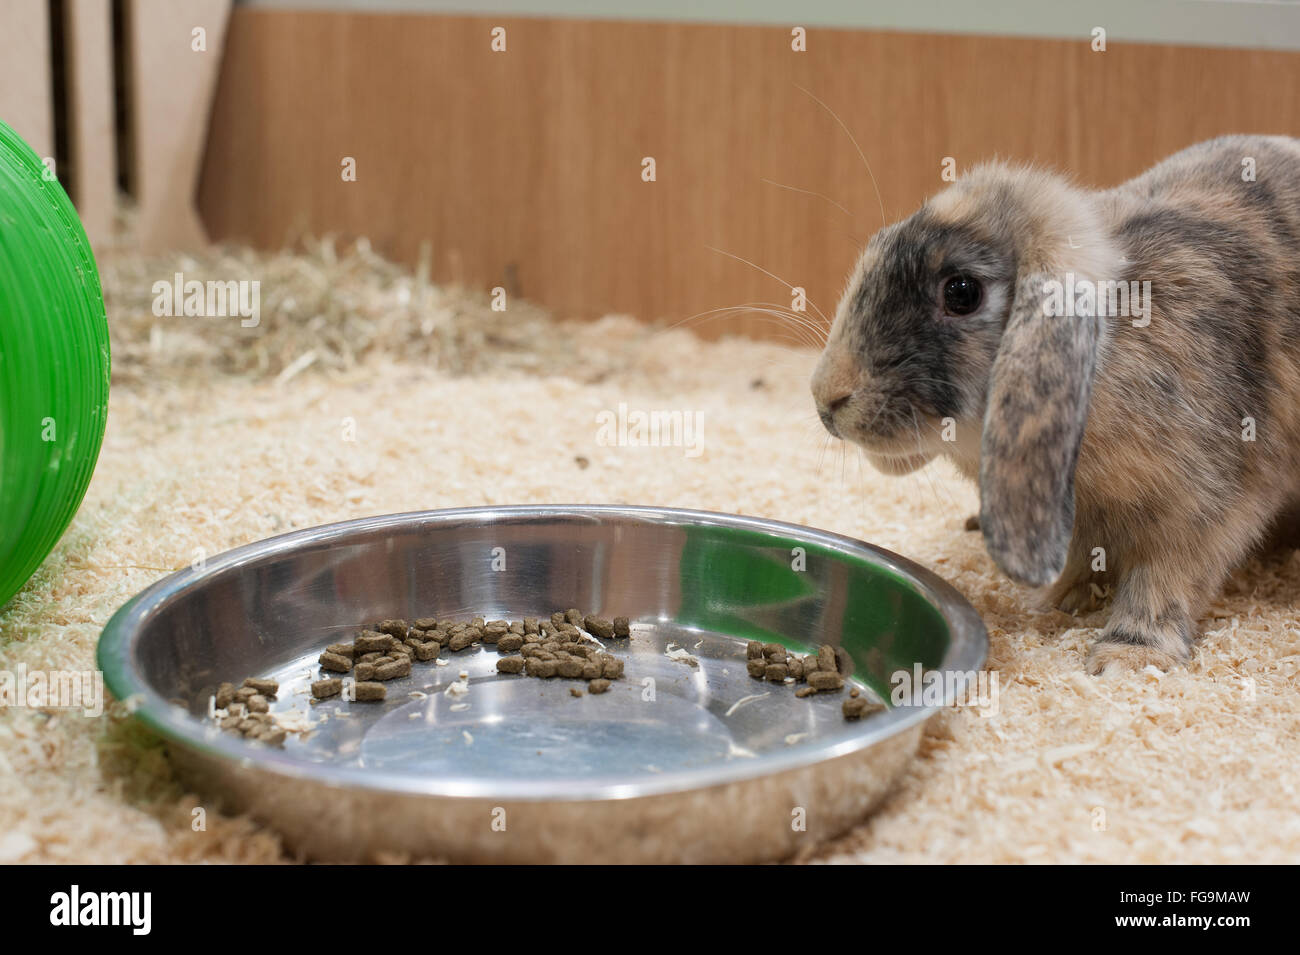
{"type": "Point", "coordinates": [962, 295]}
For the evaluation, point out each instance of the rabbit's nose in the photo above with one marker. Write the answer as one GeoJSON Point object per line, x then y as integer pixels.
{"type": "Point", "coordinates": [827, 411]}
{"type": "Point", "coordinates": [833, 384]}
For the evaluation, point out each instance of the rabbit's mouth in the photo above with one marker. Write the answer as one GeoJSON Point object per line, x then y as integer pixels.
{"type": "Point", "coordinates": [897, 464]}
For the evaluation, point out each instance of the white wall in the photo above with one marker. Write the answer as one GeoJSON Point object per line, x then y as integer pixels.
{"type": "Point", "coordinates": [1264, 24]}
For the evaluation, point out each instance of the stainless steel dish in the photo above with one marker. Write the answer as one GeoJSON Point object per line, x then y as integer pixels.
{"type": "Point", "coordinates": [674, 764]}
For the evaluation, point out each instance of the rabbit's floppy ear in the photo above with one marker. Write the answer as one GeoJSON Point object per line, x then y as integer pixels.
{"type": "Point", "coordinates": [1033, 425]}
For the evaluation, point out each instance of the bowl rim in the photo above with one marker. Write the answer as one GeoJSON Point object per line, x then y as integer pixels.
{"type": "Point", "coordinates": [116, 658]}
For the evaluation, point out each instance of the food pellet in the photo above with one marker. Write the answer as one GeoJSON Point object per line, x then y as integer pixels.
{"type": "Point", "coordinates": [510, 665]}
{"type": "Point", "coordinates": [427, 651]}
{"type": "Point", "coordinates": [370, 641]}
{"type": "Point", "coordinates": [826, 659]}
{"type": "Point", "coordinates": [396, 628]}
{"type": "Point", "coordinates": [245, 693]}
{"type": "Point", "coordinates": [599, 627]}
{"type": "Point", "coordinates": [336, 662]}
{"type": "Point", "coordinates": [754, 650]}
{"type": "Point", "coordinates": [424, 623]}
{"type": "Point", "coordinates": [622, 627]}
{"type": "Point", "coordinates": [391, 671]}
{"type": "Point", "coordinates": [342, 649]}
{"type": "Point", "coordinates": [569, 668]}
{"type": "Point", "coordinates": [757, 668]}
{"type": "Point", "coordinates": [225, 695]}
{"type": "Point", "coordinates": [573, 616]}
{"type": "Point", "coordinates": [804, 691]}
{"type": "Point", "coordinates": [459, 641]}
{"type": "Point", "coordinates": [509, 644]}
{"type": "Point", "coordinates": [598, 686]}
{"type": "Point", "coordinates": [531, 625]}
{"type": "Point", "coordinates": [574, 691]}
{"type": "Point", "coordinates": [825, 680]}
{"type": "Point", "coordinates": [776, 672]}
{"type": "Point", "coordinates": [365, 671]}
{"type": "Point", "coordinates": [257, 704]}
{"type": "Point", "coordinates": [324, 689]}
{"type": "Point", "coordinates": [855, 708]}
{"type": "Point", "coordinates": [541, 668]}
{"type": "Point", "coordinates": [367, 692]}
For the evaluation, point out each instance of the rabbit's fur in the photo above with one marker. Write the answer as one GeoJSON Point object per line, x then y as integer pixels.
{"type": "Point", "coordinates": [1164, 449]}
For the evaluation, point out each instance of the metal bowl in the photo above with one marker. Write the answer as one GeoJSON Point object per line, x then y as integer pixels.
{"type": "Point", "coordinates": [678, 762]}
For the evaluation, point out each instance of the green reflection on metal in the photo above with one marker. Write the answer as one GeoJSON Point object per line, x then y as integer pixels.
{"type": "Point", "coordinates": [743, 583]}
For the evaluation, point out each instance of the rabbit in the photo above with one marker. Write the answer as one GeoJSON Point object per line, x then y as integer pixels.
{"type": "Point", "coordinates": [1145, 449]}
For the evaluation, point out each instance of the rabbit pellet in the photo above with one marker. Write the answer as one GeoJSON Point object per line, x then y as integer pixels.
{"type": "Point", "coordinates": [823, 672]}
{"type": "Point", "coordinates": [539, 648]}
{"type": "Point", "coordinates": [857, 707]}
{"type": "Point", "coordinates": [246, 710]}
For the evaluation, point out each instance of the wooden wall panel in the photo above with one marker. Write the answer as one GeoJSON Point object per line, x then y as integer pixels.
{"type": "Point", "coordinates": [92, 134]}
{"type": "Point", "coordinates": [171, 88]}
{"type": "Point", "coordinates": [26, 90]}
{"type": "Point", "coordinates": [524, 166]}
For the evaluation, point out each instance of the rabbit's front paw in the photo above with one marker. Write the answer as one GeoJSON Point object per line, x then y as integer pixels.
{"type": "Point", "coordinates": [1108, 659]}
{"type": "Point", "coordinates": [1151, 623]}
{"type": "Point", "coordinates": [1128, 646]}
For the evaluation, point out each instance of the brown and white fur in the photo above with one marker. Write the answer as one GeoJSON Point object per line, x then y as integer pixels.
{"type": "Point", "coordinates": [1092, 432]}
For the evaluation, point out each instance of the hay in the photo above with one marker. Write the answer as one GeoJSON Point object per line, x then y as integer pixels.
{"type": "Point", "coordinates": [332, 310]}
{"type": "Point", "coordinates": [211, 443]}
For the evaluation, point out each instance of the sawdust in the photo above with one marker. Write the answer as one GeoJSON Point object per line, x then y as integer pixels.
{"type": "Point", "coordinates": [210, 445]}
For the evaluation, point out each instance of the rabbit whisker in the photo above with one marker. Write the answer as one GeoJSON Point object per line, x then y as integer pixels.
{"type": "Point", "coordinates": [883, 218]}
{"type": "Point", "coordinates": [809, 192]}
{"type": "Point", "coordinates": [778, 278]}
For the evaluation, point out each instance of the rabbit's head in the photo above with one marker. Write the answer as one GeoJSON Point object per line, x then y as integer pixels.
{"type": "Point", "coordinates": [944, 342]}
